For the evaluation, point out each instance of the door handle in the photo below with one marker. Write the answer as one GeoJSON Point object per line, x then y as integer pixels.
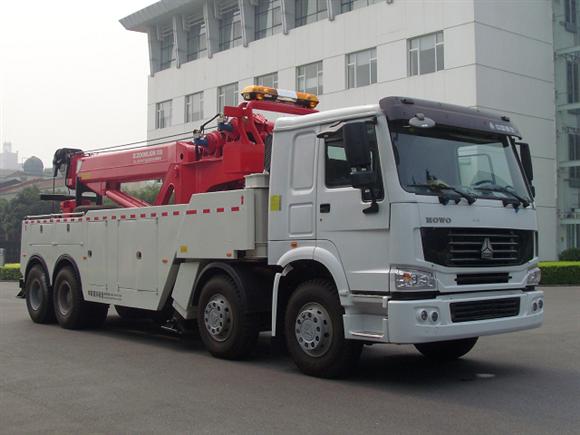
{"type": "Point", "coordinates": [324, 208]}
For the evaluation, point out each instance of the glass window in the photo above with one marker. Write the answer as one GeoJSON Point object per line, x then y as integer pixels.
{"type": "Point", "coordinates": [349, 5]}
{"type": "Point", "coordinates": [573, 235]}
{"type": "Point", "coordinates": [574, 154]}
{"type": "Point", "coordinates": [163, 114]}
{"type": "Point", "coordinates": [268, 18]}
{"type": "Point", "coordinates": [196, 41]}
{"type": "Point", "coordinates": [570, 12]}
{"type": "Point", "coordinates": [230, 28]}
{"type": "Point", "coordinates": [166, 51]}
{"type": "Point", "coordinates": [426, 54]}
{"type": "Point", "coordinates": [310, 11]}
{"type": "Point", "coordinates": [309, 78]}
{"type": "Point", "coordinates": [572, 81]}
{"type": "Point", "coordinates": [361, 68]}
{"type": "Point", "coordinates": [227, 96]}
{"type": "Point", "coordinates": [270, 80]}
{"type": "Point", "coordinates": [337, 170]}
{"type": "Point", "coordinates": [194, 107]}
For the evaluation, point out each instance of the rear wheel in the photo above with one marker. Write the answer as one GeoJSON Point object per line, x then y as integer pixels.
{"type": "Point", "coordinates": [39, 296]}
{"type": "Point", "coordinates": [72, 311]}
{"type": "Point", "coordinates": [447, 350]}
{"type": "Point", "coordinates": [225, 326]}
{"type": "Point", "coordinates": [315, 332]}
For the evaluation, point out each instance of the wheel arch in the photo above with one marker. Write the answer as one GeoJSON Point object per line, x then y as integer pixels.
{"type": "Point", "coordinates": [36, 260]}
{"type": "Point", "coordinates": [297, 269]}
{"type": "Point", "coordinates": [245, 277]}
{"type": "Point", "coordinates": [63, 261]}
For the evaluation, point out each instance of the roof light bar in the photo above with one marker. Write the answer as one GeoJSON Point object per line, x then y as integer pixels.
{"type": "Point", "coordinates": [255, 92]}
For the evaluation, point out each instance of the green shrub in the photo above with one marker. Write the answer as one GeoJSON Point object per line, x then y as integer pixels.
{"type": "Point", "coordinates": [560, 272]}
{"type": "Point", "coordinates": [572, 254]}
{"type": "Point", "coordinates": [10, 272]}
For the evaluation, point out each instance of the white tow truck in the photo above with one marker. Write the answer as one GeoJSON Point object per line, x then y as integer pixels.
{"type": "Point", "coordinates": [406, 222]}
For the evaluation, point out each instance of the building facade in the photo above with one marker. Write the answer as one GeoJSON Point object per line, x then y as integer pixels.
{"type": "Point", "coordinates": [8, 158]}
{"type": "Point", "coordinates": [567, 77]}
{"type": "Point", "coordinates": [493, 55]}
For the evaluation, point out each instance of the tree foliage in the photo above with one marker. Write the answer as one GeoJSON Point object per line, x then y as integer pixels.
{"type": "Point", "coordinates": [13, 211]}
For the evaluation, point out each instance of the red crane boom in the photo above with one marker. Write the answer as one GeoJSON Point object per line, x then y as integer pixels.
{"type": "Point", "coordinates": [215, 161]}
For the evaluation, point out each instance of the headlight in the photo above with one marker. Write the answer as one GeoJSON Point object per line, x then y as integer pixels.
{"type": "Point", "coordinates": [534, 277]}
{"type": "Point", "coordinates": [412, 279]}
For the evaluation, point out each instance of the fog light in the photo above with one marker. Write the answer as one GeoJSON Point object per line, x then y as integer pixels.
{"type": "Point", "coordinates": [434, 316]}
{"type": "Point", "coordinates": [535, 306]}
{"type": "Point", "coordinates": [424, 315]}
{"type": "Point", "coordinates": [541, 303]}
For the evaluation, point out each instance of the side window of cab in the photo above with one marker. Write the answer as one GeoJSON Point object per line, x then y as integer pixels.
{"type": "Point", "coordinates": [336, 167]}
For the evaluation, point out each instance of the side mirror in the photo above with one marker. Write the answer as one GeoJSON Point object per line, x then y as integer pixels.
{"type": "Point", "coordinates": [526, 158]}
{"type": "Point", "coordinates": [356, 144]}
{"type": "Point", "coordinates": [358, 155]}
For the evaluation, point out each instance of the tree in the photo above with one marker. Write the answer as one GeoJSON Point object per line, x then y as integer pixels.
{"type": "Point", "coordinates": [26, 203]}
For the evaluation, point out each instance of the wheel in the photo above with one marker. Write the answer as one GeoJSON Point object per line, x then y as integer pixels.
{"type": "Point", "coordinates": [446, 350]}
{"type": "Point", "coordinates": [39, 296]}
{"type": "Point", "coordinates": [71, 310]}
{"type": "Point", "coordinates": [225, 326]}
{"type": "Point", "coordinates": [129, 313]}
{"type": "Point", "coordinates": [315, 332]}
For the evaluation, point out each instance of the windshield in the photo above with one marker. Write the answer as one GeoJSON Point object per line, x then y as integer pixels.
{"type": "Point", "coordinates": [481, 165]}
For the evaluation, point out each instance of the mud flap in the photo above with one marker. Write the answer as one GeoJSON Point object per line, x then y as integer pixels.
{"type": "Point", "coordinates": [21, 294]}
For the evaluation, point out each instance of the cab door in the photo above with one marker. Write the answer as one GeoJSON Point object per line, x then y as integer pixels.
{"type": "Point", "coordinates": [360, 238]}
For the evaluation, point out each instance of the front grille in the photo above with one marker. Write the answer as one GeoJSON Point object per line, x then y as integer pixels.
{"type": "Point", "coordinates": [482, 310]}
{"type": "Point", "coordinates": [466, 247]}
{"type": "Point", "coordinates": [482, 278]}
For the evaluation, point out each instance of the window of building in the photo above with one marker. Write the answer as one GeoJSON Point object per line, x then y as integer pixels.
{"type": "Point", "coordinates": [268, 18]}
{"type": "Point", "coordinates": [572, 81]}
{"type": "Point", "coordinates": [349, 5]}
{"type": "Point", "coordinates": [196, 41]}
{"type": "Point", "coordinates": [270, 80]}
{"type": "Point", "coordinates": [426, 54]}
{"type": "Point", "coordinates": [166, 50]}
{"type": "Point", "coordinates": [163, 114]}
{"type": "Point", "coordinates": [361, 68]}
{"type": "Point", "coordinates": [310, 11]}
{"type": "Point", "coordinates": [574, 154]}
{"type": "Point", "coordinates": [194, 107]}
{"type": "Point", "coordinates": [573, 236]}
{"type": "Point", "coordinates": [570, 15]}
{"type": "Point", "coordinates": [230, 28]}
{"type": "Point", "coordinates": [337, 170]}
{"type": "Point", "coordinates": [227, 96]}
{"type": "Point", "coordinates": [309, 78]}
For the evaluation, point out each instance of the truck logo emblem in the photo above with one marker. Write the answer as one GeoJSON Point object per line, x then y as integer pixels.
{"type": "Point", "coordinates": [486, 249]}
{"type": "Point", "coordinates": [438, 220]}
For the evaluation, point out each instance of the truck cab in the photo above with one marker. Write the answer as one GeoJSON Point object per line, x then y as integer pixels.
{"type": "Point", "coordinates": [429, 238]}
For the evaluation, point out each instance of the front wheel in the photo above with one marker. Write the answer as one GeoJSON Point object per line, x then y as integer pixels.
{"type": "Point", "coordinates": [446, 350]}
{"type": "Point", "coordinates": [315, 332]}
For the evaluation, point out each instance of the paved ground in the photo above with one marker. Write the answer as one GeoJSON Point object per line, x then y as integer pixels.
{"type": "Point", "coordinates": [122, 379]}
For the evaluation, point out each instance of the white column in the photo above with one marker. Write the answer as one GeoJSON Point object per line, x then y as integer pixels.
{"type": "Point", "coordinates": [211, 27]}
{"type": "Point", "coordinates": [154, 50]}
{"type": "Point", "coordinates": [248, 14]}
{"type": "Point", "coordinates": [333, 7]}
{"type": "Point", "coordinates": [288, 15]}
{"type": "Point", "coordinates": [179, 41]}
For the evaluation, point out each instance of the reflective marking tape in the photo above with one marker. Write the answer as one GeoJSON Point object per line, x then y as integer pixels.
{"type": "Point", "coordinates": [143, 215]}
{"type": "Point", "coordinates": [164, 213]}
{"type": "Point", "coordinates": [191, 212]}
{"type": "Point", "coordinates": [176, 213]}
{"type": "Point", "coordinates": [220, 210]}
{"type": "Point", "coordinates": [206, 211]}
{"type": "Point", "coordinates": [234, 209]}
{"type": "Point", "coordinates": [133, 216]}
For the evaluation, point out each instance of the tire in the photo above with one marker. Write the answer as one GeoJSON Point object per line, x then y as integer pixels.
{"type": "Point", "coordinates": [39, 296]}
{"type": "Point", "coordinates": [129, 313]}
{"type": "Point", "coordinates": [71, 310]}
{"type": "Point", "coordinates": [226, 328]}
{"type": "Point", "coordinates": [315, 332]}
{"type": "Point", "coordinates": [446, 350]}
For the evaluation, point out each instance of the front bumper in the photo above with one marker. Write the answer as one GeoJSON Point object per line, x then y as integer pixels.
{"type": "Point", "coordinates": [384, 320]}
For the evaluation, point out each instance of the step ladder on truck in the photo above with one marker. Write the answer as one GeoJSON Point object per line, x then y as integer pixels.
{"type": "Point", "coordinates": [406, 221]}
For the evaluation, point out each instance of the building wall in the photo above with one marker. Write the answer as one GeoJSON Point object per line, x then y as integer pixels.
{"type": "Point", "coordinates": [498, 56]}
{"type": "Point", "coordinates": [515, 76]}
